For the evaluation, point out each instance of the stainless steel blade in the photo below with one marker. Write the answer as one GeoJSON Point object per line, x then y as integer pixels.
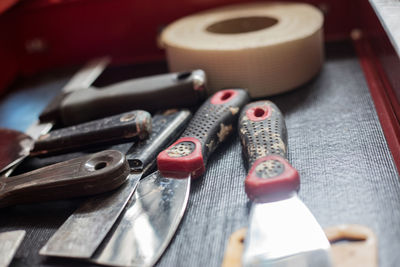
{"type": "Point", "coordinates": [148, 224]}
{"type": "Point", "coordinates": [82, 79]}
{"type": "Point", "coordinates": [9, 243]}
{"type": "Point", "coordinates": [87, 75]}
{"type": "Point", "coordinates": [80, 236]}
{"type": "Point", "coordinates": [284, 233]}
{"type": "Point", "coordinates": [14, 146]}
{"type": "Point", "coordinates": [86, 228]}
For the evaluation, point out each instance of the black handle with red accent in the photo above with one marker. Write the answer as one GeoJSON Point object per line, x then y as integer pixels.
{"type": "Point", "coordinates": [211, 125]}
{"type": "Point", "coordinates": [263, 135]}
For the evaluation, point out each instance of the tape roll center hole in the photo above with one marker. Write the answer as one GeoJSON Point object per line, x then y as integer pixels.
{"type": "Point", "coordinates": [241, 25]}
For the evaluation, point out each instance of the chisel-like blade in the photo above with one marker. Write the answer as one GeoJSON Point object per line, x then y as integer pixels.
{"type": "Point", "coordinates": [149, 223]}
{"type": "Point", "coordinates": [68, 241]}
{"type": "Point", "coordinates": [85, 229]}
{"type": "Point", "coordinates": [83, 79]}
{"type": "Point", "coordinates": [285, 233]}
{"type": "Point", "coordinates": [9, 243]}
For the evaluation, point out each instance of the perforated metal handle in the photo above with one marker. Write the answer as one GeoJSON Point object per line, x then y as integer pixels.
{"type": "Point", "coordinates": [263, 135]}
{"type": "Point", "coordinates": [211, 125]}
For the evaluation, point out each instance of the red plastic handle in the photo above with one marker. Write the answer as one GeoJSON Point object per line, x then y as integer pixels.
{"type": "Point", "coordinates": [182, 158]}
{"type": "Point", "coordinates": [210, 126]}
{"type": "Point", "coordinates": [270, 178]}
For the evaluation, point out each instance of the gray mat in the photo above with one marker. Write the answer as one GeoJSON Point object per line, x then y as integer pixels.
{"type": "Point", "coordinates": [347, 172]}
{"type": "Point", "coordinates": [336, 143]}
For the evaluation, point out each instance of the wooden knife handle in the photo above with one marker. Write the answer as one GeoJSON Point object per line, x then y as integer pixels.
{"type": "Point", "coordinates": [263, 135]}
{"type": "Point", "coordinates": [211, 125]}
{"type": "Point", "coordinates": [87, 175]}
{"type": "Point", "coordinates": [129, 125]}
{"type": "Point", "coordinates": [153, 93]}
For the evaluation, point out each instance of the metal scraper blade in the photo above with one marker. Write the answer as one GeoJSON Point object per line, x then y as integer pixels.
{"type": "Point", "coordinates": [9, 243]}
{"type": "Point", "coordinates": [148, 223]}
{"type": "Point", "coordinates": [104, 208]}
{"type": "Point", "coordinates": [284, 234]}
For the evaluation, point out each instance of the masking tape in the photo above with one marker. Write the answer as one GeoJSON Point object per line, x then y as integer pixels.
{"type": "Point", "coordinates": [267, 48]}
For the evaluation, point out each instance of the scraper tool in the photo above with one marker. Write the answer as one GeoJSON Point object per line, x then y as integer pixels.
{"type": "Point", "coordinates": [85, 229]}
{"type": "Point", "coordinates": [282, 230]}
{"type": "Point", "coordinates": [158, 205]}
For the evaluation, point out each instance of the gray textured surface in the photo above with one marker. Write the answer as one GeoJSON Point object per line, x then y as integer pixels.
{"type": "Point", "coordinates": [336, 143]}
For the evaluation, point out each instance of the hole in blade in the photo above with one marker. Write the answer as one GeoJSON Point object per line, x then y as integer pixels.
{"type": "Point", "coordinates": [100, 165]}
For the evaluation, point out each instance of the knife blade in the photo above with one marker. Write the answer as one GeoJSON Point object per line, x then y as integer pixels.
{"type": "Point", "coordinates": [282, 231]}
{"type": "Point", "coordinates": [82, 79]}
{"type": "Point", "coordinates": [155, 211]}
{"type": "Point", "coordinates": [14, 147]}
{"type": "Point", "coordinates": [85, 229]}
{"type": "Point", "coordinates": [9, 243]}
{"type": "Point", "coordinates": [158, 92]}
{"type": "Point", "coordinates": [87, 175]}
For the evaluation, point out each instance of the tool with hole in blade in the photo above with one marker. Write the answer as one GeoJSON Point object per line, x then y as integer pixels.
{"type": "Point", "coordinates": [87, 175]}
{"type": "Point", "coordinates": [282, 230]}
{"type": "Point", "coordinates": [160, 200]}
{"type": "Point", "coordinates": [82, 233]}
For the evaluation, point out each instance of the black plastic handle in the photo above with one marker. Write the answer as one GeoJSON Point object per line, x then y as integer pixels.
{"type": "Point", "coordinates": [125, 126]}
{"type": "Point", "coordinates": [166, 128]}
{"type": "Point", "coordinates": [153, 93]}
{"type": "Point", "coordinates": [211, 125]}
{"type": "Point", "coordinates": [87, 175]}
{"type": "Point", "coordinates": [262, 131]}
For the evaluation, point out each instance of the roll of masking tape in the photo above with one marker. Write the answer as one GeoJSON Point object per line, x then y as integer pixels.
{"type": "Point", "coordinates": [267, 48]}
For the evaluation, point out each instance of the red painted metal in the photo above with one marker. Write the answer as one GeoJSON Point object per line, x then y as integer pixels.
{"type": "Point", "coordinates": [52, 33]}
{"type": "Point", "coordinates": [379, 88]}
{"type": "Point", "coordinates": [388, 59]}
{"type": "Point", "coordinates": [381, 66]}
